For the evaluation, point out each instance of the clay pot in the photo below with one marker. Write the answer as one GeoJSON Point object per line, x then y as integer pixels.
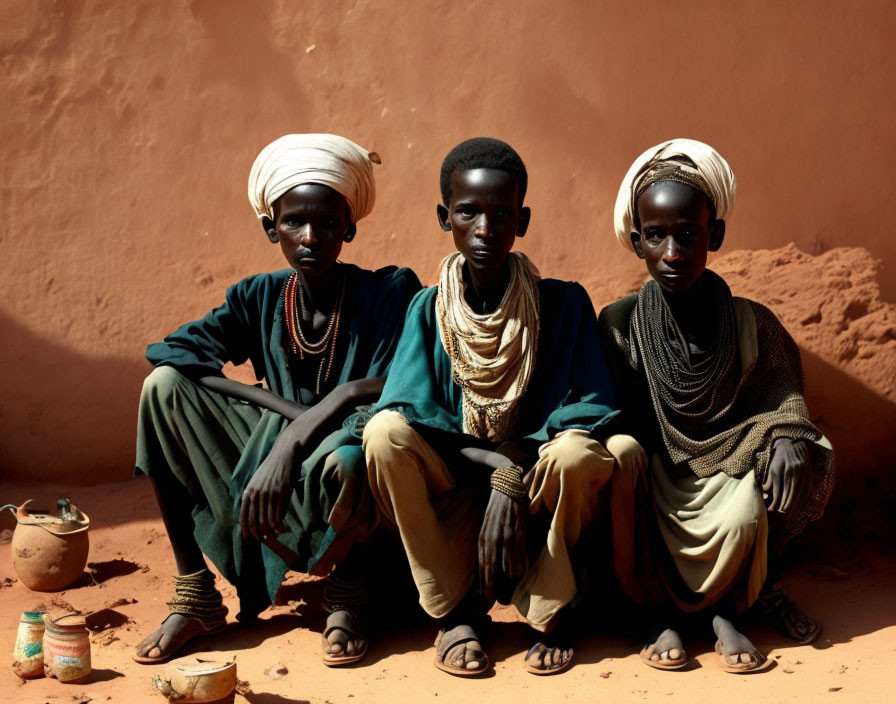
{"type": "Point", "coordinates": [49, 551]}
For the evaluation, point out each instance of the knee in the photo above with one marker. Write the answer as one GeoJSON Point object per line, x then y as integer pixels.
{"type": "Point", "coordinates": [577, 455]}
{"type": "Point", "coordinates": [746, 512]}
{"type": "Point", "coordinates": [387, 429]}
{"type": "Point", "coordinates": [161, 386]}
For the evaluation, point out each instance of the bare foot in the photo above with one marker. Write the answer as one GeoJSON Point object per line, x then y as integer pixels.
{"type": "Point", "coordinates": [172, 635]}
{"type": "Point", "coordinates": [546, 659]}
{"type": "Point", "coordinates": [459, 652]}
{"type": "Point", "coordinates": [737, 652]}
{"type": "Point", "coordinates": [665, 651]}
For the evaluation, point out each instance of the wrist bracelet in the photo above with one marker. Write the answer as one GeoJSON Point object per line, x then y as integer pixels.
{"type": "Point", "coordinates": [509, 481]}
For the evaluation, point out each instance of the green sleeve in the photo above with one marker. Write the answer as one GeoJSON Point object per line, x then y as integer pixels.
{"type": "Point", "coordinates": [420, 386]}
{"type": "Point", "coordinates": [221, 335]}
{"type": "Point", "coordinates": [578, 392]}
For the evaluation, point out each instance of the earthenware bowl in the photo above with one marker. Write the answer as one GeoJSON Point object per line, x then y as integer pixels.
{"type": "Point", "coordinates": [197, 681]}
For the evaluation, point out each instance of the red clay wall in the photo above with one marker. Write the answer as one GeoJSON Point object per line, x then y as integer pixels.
{"type": "Point", "coordinates": [128, 129]}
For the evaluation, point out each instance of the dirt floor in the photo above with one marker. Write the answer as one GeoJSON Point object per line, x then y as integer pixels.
{"type": "Point", "coordinates": [852, 592]}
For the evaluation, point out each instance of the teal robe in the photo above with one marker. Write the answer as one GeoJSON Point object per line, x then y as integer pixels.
{"type": "Point", "coordinates": [249, 326]}
{"type": "Point", "coordinates": [569, 388]}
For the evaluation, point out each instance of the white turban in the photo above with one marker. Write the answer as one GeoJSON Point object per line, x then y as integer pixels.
{"type": "Point", "coordinates": [711, 169]}
{"type": "Point", "coordinates": [325, 159]}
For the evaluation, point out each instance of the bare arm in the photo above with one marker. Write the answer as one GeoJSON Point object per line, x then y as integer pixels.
{"type": "Point", "coordinates": [254, 394]}
{"type": "Point", "coordinates": [502, 536]}
{"type": "Point", "coordinates": [486, 458]}
{"type": "Point", "coordinates": [268, 492]}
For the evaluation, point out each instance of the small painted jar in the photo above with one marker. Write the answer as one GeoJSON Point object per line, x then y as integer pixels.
{"type": "Point", "coordinates": [67, 648]}
{"type": "Point", "coordinates": [28, 655]}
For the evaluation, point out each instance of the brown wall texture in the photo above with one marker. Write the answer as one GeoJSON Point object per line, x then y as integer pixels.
{"type": "Point", "coordinates": [128, 129]}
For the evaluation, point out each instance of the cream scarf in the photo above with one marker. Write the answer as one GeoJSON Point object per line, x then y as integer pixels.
{"type": "Point", "coordinates": [492, 355]}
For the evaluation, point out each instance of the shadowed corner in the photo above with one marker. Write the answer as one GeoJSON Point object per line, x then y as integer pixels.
{"type": "Point", "coordinates": [859, 423]}
{"type": "Point", "coordinates": [52, 398]}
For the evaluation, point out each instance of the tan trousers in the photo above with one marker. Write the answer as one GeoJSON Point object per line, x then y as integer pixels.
{"type": "Point", "coordinates": [440, 529]}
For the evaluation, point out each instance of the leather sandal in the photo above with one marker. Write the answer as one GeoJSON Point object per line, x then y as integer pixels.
{"type": "Point", "coordinates": [741, 668]}
{"type": "Point", "coordinates": [542, 671]}
{"type": "Point", "coordinates": [347, 621]}
{"type": "Point", "coordinates": [785, 614]}
{"type": "Point", "coordinates": [452, 637]}
{"type": "Point", "coordinates": [650, 649]}
{"type": "Point", "coordinates": [195, 597]}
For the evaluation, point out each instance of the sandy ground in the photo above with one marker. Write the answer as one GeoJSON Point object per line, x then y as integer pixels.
{"type": "Point", "coordinates": [130, 562]}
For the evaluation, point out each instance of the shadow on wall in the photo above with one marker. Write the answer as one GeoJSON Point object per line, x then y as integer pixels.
{"type": "Point", "coordinates": [64, 416]}
{"type": "Point", "coordinates": [859, 423]}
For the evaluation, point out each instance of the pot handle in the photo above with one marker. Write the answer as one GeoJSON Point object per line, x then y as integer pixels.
{"type": "Point", "coordinates": [11, 507]}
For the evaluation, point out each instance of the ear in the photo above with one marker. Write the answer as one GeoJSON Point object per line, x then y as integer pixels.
{"type": "Point", "coordinates": [442, 215]}
{"type": "Point", "coordinates": [350, 233]}
{"type": "Point", "coordinates": [523, 224]}
{"type": "Point", "coordinates": [268, 226]}
{"type": "Point", "coordinates": [716, 235]}
{"type": "Point", "coordinates": [636, 244]}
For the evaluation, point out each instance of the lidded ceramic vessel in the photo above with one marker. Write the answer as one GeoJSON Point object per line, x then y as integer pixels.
{"type": "Point", "coordinates": [66, 647]}
{"type": "Point", "coordinates": [49, 550]}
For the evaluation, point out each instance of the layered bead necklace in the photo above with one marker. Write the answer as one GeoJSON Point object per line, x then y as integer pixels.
{"type": "Point", "coordinates": [294, 312]}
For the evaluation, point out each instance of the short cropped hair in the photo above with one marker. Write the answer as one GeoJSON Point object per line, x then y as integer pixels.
{"type": "Point", "coordinates": [483, 153]}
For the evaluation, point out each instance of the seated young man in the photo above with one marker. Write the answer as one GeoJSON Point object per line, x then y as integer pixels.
{"type": "Point", "coordinates": [236, 466]}
{"type": "Point", "coordinates": [499, 396]}
{"type": "Point", "coordinates": [712, 387]}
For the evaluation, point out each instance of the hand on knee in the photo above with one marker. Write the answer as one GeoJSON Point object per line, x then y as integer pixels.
{"type": "Point", "coordinates": [788, 476]}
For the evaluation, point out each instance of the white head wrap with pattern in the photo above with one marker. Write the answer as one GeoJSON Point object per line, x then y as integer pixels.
{"type": "Point", "coordinates": [709, 168]}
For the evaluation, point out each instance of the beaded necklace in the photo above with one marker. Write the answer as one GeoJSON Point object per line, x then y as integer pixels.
{"type": "Point", "coordinates": [294, 312]}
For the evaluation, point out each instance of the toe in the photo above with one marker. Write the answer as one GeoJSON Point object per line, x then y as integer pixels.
{"type": "Point", "coordinates": [164, 642]}
{"type": "Point", "coordinates": [474, 658]}
{"type": "Point", "coordinates": [555, 658]}
{"type": "Point", "coordinates": [674, 654]}
{"type": "Point", "coordinates": [148, 644]}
